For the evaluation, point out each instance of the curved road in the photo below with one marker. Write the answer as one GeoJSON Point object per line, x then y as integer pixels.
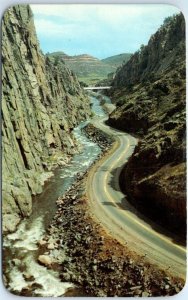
{"type": "Point", "coordinates": [121, 219]}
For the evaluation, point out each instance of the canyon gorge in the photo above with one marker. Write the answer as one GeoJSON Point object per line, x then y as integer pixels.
{"type": "Point", "coordinates": [94, 183]}
{"type": "Point", "coordinates": [42, 103]}
{"type": "Point", "coordinates": [150, 94]}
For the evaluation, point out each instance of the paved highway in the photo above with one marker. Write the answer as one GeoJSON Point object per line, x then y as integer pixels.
{"type": "Point", "coordinates": [110, 207]}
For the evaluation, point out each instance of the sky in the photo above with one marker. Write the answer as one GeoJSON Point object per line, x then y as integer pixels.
{"type": "Point", "coordinates": [98, 30]}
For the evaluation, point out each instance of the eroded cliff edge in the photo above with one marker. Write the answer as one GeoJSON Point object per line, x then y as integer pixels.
{"type": "Point", "coordinates": [42, 102]}
{"type": "Point", "coordinates": [149, 91]}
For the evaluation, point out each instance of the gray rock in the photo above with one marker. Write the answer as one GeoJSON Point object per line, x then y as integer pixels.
{"type": "Point", "coordinates": [45, 260]}
{"type": "Point", "coordinates": [34, 129]}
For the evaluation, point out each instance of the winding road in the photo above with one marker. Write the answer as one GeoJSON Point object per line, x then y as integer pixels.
{"type": "Point", "coordinates": [114, 212]}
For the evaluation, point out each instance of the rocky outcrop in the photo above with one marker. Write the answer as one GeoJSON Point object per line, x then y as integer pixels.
{"type": "Point", "coordinates": [149, 92]}
{"type": "Point", "coordinates": [98, 136]}
{"type": "Point", "coordinates": [96, 262]}
{"type": "Point", "coordinates": [42, 102]}
{"type": "Point", "coordinates": [164, 52]}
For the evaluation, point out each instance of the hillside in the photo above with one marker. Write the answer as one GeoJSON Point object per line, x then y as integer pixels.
{"type": "Point", "coordinates": [117, 60]}
{"type": "Point", "coordinates": [149, 91]}
{"type": "Point", "coordinates": [42, 102]}
{"type": "Point", "coordinates": [89, 69]}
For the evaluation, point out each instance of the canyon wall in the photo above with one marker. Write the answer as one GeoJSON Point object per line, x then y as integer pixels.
{"type": "Point", "coordinates": [42, 102]}
{"type": "Point", "coordinates": [149, 91]}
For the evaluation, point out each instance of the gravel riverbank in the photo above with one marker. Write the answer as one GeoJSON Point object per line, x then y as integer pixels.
{"type": "Point", "coordinates": [87, 256]}
{"type": "Point", "coordinates": [103, 140]}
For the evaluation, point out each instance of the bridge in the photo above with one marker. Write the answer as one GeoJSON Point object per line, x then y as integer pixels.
{"type": "Point", "coordinates": [97, 88]}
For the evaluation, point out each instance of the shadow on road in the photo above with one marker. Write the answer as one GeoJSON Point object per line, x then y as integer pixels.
{"type": "Point", "coordinates": [108, 203]}
{"type": "Point", "coordinates": [153, 216]}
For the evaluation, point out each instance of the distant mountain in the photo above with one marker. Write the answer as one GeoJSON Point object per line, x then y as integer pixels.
{"type": "Point", "coordinates": [117, 60]}
{"type": "Point", "coordinates": [89, 69]}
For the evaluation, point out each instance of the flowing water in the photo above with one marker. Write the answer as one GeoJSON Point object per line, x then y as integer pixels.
{"type": "Point", "coordinates": [20, 248]}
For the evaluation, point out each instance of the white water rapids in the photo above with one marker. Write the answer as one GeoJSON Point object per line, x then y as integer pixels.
{"type": "Point", "coordinates": [21, 249]}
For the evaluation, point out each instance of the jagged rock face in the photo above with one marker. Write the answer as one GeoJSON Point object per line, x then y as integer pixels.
{"type": "Point", "coordinates": [163, 52]}
{"type": "Point", "coordinates": [150, 95]}
{"type": "Point", "coordinates": [42, 102]}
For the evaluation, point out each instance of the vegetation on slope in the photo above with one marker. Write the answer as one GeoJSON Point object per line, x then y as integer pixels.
{"type": "Point", "coordinates": [150, 95]}
{"type": "Point", "coordinates": [89, 69]}
{"type": "Point", "coordinates": [117, 60]}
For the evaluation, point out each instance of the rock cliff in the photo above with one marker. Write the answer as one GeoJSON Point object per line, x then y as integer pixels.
{"type": "Point", "coordinates": [42, 102]}
{"type": "Point", "coordinates": [149, 91]}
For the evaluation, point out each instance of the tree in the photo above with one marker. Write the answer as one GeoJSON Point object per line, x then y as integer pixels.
{"type": "Point", "coordinates": [167, 20]}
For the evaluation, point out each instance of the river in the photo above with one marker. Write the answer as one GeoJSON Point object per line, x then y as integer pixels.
{"type": "Point", "coordinates": [20, 250]}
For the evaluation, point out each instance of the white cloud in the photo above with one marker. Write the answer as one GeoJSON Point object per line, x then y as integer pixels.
{"type": "Point", "coordinates": [67, 11]}
{"type": "Point", "coordinates": [108, 13]}
{"type": "Point", "coordinates": [47, 28]}
{"type": "Point", "coordinates": [91, 26]}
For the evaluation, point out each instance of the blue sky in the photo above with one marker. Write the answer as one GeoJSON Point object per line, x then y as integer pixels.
{"type": "Point", "coordinates": [99, 30]}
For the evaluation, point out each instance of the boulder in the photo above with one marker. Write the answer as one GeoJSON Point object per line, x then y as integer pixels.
{"type": "Point", "coordinates": [45, 260]}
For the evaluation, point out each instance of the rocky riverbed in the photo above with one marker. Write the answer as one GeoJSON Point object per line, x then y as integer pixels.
{"type": "Point", "coordinates": [22, 274]}
{"type": "Point", "coordinates": [86, 255]}
{"type": "Point", "coordinates": [103, 140]}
